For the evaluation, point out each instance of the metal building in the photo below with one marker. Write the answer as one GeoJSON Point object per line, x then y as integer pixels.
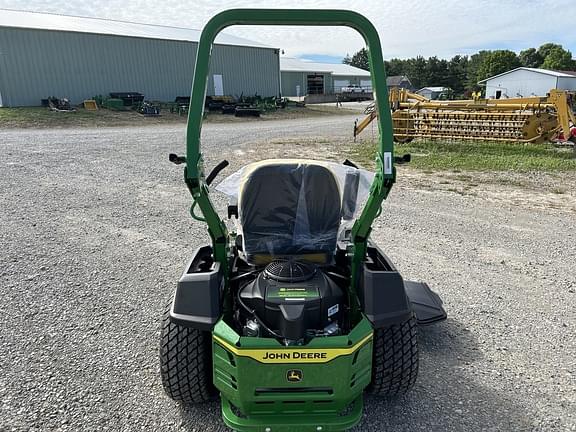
{"type": "Point", "coordinates": [399, 81]}
{"type": "Point", "coordinates": [44, 55]}
{"type": "Point", "coordinates": [433, 93]}
{"type": "Point", "coordinates": [301, 77]}
{"type": "Point", "coordinates": [526, 82]}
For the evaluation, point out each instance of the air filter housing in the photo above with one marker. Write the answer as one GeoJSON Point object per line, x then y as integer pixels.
{"type": "Point", "coordinates": [292, 297]}
{"type": "Point", "coordinates": [289, 271]}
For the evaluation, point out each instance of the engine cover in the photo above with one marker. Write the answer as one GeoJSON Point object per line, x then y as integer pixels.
{"type": "Point", "coordinates": [292, 297]}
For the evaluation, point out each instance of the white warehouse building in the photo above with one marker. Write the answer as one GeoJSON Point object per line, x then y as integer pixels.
{"type": "Point", "coordinates": [526, 82]}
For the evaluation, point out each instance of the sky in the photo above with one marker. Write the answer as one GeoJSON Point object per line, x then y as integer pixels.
{"type": "Point", "coordinates": [407, 28]}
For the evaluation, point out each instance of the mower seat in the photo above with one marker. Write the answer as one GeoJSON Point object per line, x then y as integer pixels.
{"type": "Point", "coordinates": [289, 208]}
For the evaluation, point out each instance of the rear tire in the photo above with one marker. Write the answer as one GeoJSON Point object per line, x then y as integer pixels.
{"type": "Point", "coordinates": [395, 359]}
{"type": "Point", "coordinates": [186, 362]}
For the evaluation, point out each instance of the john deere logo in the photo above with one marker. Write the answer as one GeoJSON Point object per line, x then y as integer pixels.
{"type": "Point", "coordinates": [294, 375]}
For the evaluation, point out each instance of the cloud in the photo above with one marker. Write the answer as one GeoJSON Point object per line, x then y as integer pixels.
{"type": "Point", "coordinates": [406, 27]}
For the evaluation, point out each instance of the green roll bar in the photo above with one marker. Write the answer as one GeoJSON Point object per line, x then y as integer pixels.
{"type": "Point", "coordinates": [385, 171]}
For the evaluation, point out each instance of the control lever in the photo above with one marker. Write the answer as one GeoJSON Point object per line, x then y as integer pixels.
{"type": "Point", "coordinates": [215, 171]}
{"type": "Point", "coordinates": [175, 159]}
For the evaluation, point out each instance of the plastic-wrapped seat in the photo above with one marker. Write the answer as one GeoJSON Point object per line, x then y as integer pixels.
{"type": "Point", "coordinates": [289, 209]}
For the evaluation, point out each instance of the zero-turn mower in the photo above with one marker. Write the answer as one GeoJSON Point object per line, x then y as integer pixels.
{"type": "Point", "coordinates": [293, 315]}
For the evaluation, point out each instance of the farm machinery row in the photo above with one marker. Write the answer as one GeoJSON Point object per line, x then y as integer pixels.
{"type": "Point", "coordinates": [530, 119]}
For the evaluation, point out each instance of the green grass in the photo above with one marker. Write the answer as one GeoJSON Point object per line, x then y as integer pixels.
{"type": "Point", "coordinates": [28, 115]}
{"type": "Point", "coordinates": [478, 156]}
{"type": "Point", "coordinates": [37, 117]}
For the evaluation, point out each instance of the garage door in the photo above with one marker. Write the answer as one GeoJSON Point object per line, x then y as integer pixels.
{"type": "Point", "coordinates": [338, 84]}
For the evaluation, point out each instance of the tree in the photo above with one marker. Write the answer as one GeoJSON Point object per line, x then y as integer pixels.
{"type": "Point", "coordinates": [497, 62]}
{"type": "Point", "coordinates": [473, 69]}
{"type": "Point", "coordinates": [558, 59]}
{"type": "Point", "coordinates": [462, 73]}
{"type": "Point", "coordinates": [417, 71]}
{"type": "Point", "coordinates": [437, 72]}
{"type": "Point", "coordinates": [347, 59]}
{"type": "Point", "coordinates": [395, 67]}
{"type": "Point", "coordinates": [457, 69]}
{"type": "Point", "coordinates": [545, 49]}
{"type": "Point", "coordinates": [530, 58]}
{"type": "Point", "coordinates": [359, 60]}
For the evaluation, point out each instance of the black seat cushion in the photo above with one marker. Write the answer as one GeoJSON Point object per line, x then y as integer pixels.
{"type": "Point", "coordinates": [290, 208]}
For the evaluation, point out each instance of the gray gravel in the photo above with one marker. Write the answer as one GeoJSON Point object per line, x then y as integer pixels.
{"type": "Point", "coordinates": [95, 231]}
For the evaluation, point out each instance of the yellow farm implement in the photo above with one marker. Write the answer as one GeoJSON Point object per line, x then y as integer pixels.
{"type": "Point", "coordinates": [530, 120]}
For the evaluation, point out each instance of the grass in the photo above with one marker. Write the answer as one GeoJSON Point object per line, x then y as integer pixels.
{"type": "Point", "coordinates": [477, 156]}
{"type": "Point", "coordinates": [37, 117]}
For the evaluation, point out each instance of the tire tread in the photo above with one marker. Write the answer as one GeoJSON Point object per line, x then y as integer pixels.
{"type": "Point", "coordinates": [185, 362]}
{"type": "Point", "coordinates": [395, 359]}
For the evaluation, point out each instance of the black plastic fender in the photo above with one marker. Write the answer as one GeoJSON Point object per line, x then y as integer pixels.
{"type": "Point", "coordinates": [387, 299]}
{"type": "Point", "coordinates": [198, 298]}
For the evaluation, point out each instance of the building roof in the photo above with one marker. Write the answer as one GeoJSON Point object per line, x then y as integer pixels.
{"type": "Point", "coordinates": [542, 71]}
{"type": "Point", "coordinates": [434, 89]}
{"type": "Point", "coordinates": [45, 21]}
{"type": "Point", "coordinates": [288, 64]}
{"type": "Point", "coordinates": [396, 80]}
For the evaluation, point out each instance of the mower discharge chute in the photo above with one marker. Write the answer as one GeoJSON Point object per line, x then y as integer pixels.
{"type": "Point", "coordinates": [296, 313]}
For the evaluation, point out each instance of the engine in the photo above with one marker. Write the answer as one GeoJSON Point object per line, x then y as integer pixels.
{"type": "Point", "coordinates": [292, 300]}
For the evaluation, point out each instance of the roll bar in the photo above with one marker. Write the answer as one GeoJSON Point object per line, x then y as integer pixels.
{"type": "Point", "coordinates": [385, 172]}
{"type": "Point", "coordinates": [301, 17]}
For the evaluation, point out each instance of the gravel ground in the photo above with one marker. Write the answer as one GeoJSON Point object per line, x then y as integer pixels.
{"type": "Point", "coordinates": [95, 231]}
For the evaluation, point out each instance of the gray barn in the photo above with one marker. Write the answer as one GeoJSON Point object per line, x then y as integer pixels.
{"type": "Point", "coordinates": [45, 55]}
{"type": "Point", "coordinates": [300, 77]}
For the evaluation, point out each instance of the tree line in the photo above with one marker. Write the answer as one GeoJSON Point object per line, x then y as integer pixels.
{"type": "Point", "coordinates": [462, 73]}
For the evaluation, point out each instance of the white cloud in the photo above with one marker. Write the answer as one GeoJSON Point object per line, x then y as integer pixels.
{"type": "Point", "coordinates": [407, 27]}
